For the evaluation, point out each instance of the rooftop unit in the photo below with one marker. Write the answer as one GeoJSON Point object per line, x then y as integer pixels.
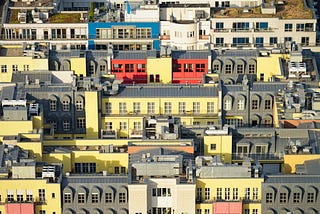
{"type": "Point", "coordinates": [162, 128]}
{"type": "Point", "coordinates": [298, 70]}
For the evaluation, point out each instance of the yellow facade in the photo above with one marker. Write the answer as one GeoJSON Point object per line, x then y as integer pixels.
{"type": "Point", "coordinates": [290, 161]}
{"type": "Point", "coordinates": [8, 128]}
{"type": "Point", "coordinates": [31, 142]}
{"type": "Point", "coordinates": [92, 116]}
{"type": "Point", "coordinates": [52, 193]}
{"type": "Point", "coordinates": [268, 66]}
{"type": "Point", "coordinates": [79, 66]}
{"type": "Point", "coordinates": [104, 161]}
{"type": "Point", "coordinates": [160, 66]}
{"type": "Point", "coordinates": [219, 145]}
{"type": "Point", "coordinates": [251, 198]}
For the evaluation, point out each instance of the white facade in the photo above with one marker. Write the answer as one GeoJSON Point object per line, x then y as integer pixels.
{"type": "Point", "coordinates": [143, 13]}
{"type": "Point", "coordinates": [266, 32]}
{"type": "Point", "coordinates": [165, 194]}
{"type": "Point", "coordinates": [185, 35]}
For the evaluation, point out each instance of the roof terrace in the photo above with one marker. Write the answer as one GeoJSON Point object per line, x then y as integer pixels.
{"type": "Point", "coordinates": [290, 9]}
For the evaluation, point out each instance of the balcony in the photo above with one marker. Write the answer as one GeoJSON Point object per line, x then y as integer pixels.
{"type": "Point", "coordinates": [108, 134]}
{"type": "Point", "coordinates": [136, 134]}
{"type": "Point", "coordinates": [265, 157]}
{"type": "Point", "coordinates": [264, 30]}
{"type": "Point", "coordinates": [204, 37]}
{"type": "Point", "coordinates": [164, 37]}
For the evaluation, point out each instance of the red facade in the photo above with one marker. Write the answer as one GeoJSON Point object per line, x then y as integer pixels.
{"type": "Point", "coordinates": [19, 208]}
{"type": "Point", "coordinates": [130, 71]}
{"type": "Point", "coordinates": [189, 70]}
{"type": "Point", "coordinates": [227, 207]}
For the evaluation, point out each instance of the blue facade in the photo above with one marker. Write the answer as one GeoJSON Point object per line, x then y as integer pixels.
{"type": "Point", "coordinates": [155, 30]}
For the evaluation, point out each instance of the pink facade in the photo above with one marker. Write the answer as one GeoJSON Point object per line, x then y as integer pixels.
{"type": "Point", "coordinates": [227, 207]}
{"type": "Point", "coordinates": [19, 208]}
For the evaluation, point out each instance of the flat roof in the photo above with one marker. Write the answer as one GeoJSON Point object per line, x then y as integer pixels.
{"type": "Point", "coordinates": [11, 52]}
{"type": "Point", "coordinates": [291, 9]}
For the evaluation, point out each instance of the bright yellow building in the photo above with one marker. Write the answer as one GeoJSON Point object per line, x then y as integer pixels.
{"type": "Point", "coordinates": [270, 65]}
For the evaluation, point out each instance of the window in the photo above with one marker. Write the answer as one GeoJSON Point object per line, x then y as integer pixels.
{"type": "Point", "coordinates": [14, 68]}
{"type": "Point", "coordinates": [252, 68]}
{"type": "Point", "coordinates": [42, 212]}
{"type": "Point", "coordinates": [167, 108]}
{"type": "Point", "coordinates": [261, 149]}
{"type": "Point", "coordinates": [10, 198]}
{"type": "Point", "coordinates": [81, 198]}
{"type": "Point", "coordinates": [176, 67]}
{"type": "Point", "coordinates": [207, 194]}
{"type": "Point", "coordinates": [42, 195]}
{"type": "Point", "coordinates": [196, 107]}
{"type": "Point", "coordinates": [267, 104]}
{"type": "Point", "coordinates": [116, 170]}
{"type": "Point", "coordinates": [216, 67]}
{"type": "Point", "coordinates": [300, 27]}
{"type": "Point", "coordinates": [122, 108]}
{"type": "Point", "coordinates": [269, 197]}
{"type": "Point", "coordinates": [262, 25]}
{"type": "Point", "coordinates": [136, 108]}
{"type": "Point", "coordinates": [199, 211]}
{"type": "Point", "coordinates": [273, 40]}
{"type": "Point", "coordinates": [79, 105]}
{"type": "Point", "coordinates": [259, 41]}
{"type": "Point", "coordinates": [240, 40]}
{"type": "Point", "coordinates": [210, 107]}
{"type": "Point", "coordinates": [199, 194]}
{"type": "Point", "coordinates": [227, 104]}
{"type": "Point", "coordinates": [241, 104]}
{"type": "Point", "coordinates": [141, 67]}
{"type": "Point", "coordinates": [240, 69]}
{"type": "Point", "coordinates": [66, 125]}
{"type": "Point", "coordinates": [213, 146]}
{"type": "Point", "coordinates": [247, 194]}
{"type": "Point", "coordinates": [29, 197]}
{"type": "Point", "coordinates": [182, 107]}
{"type": "Point", "coordinates": [200, 67]}
{"type": "Point", "coordinates": [108, 107]}
{"type": "Point", "coordinates": [240, 26]}
{"type": "Point", "coordinates": [137, 126]}
{"type": "Point", "coordinates": [288, 39]}
{"type": "Point", "coordinates": [288, 27]}
{"type": "Point", "coordinates": [157, 78]}
{"type": "Point", "coordinates": [255, 194]}
{"type": "Point", "coordinates": [65, 105]}
{"type": "Point", "coordinates": [304, 41]}
{"type": "Point", "coordinates": [53, 105]}
{"type": "Point", "coordinates": [296, 197]}
{"type": "Point", "coordinates": [283, 197]}
{"type": "Point", "coordinates": [151, 108]}
{"type": "Point", "coordinates": [188, 67]}
{"type": "Point", "coordinates": [123, 170]}
{"type": "Point", "coordinates": [227, 193]}
{"type": "Point", "coordinates": [235, 194]}
{"type": "Point", "coordinates": [219, 25]}
{"type": "Point", "coordinates": [151, 78]}
{"type": "Point", "coordinates": [94, 198]}
{"type": "Point", "coordinates": [85, 167]}
{"type": "Point", "coordinates": [20, 198]}
{"type": "Point", "coordinates": [122, 197]}
{"type": "Point", "coordinates": [67, 198]}
{"type": "Point", "coordinates": [219, 193]}
{"type": "Point", "coordinates": [309, 27]}
{"type": "Point", "coordinates": [219, 41]}
{"type": "Point", "coordinates": [310, 197]}
{"type": "Point", "coordinates": [81, 123]}
{"type": "Point", "coordinates": [129, 68]}
{"type": "Point", "coordinates": [109, 197]}
{"type": "Point", "coordinates": [123, 125]}
{"type": "Point", "coordinates": [228, 68]}
{"type": "Point", "coordinates": [254, 211]}
{"type": "Point", "coordinates": [108, 126]}
{"type": "Point", "coordinates": [246, 211]}
{"type": "Point", "coordinates": [206, 211]}
{"type": "Point", "coordinates": [254, 105]}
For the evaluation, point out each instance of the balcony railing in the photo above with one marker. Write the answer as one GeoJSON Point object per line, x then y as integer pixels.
{"type": "Point", "coordinates": [275, 156]}
{"type": "Point", "coordinates": [164, 37]}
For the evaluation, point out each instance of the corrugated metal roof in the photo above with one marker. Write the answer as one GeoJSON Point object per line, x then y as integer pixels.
{"type": "Point", "coordinates": [96, 179]}
{"type": "Point", "coordinates": [167, 91]}
{"type": "Point", "coordinates": [281, 179]}
{"type": "Point", "coordinates": [134, 54]}
{"type": "Point", "coordinates": [42, 76]}
{"type": "Point", "coordinates": [190, 54]}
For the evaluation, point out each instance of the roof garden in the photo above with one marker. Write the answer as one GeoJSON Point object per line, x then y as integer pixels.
{"type": "Point", "coordinates": [290, 9]}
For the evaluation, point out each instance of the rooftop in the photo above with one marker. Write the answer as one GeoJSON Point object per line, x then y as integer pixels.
{"type": "Point", "coordinates": [291, 9]}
